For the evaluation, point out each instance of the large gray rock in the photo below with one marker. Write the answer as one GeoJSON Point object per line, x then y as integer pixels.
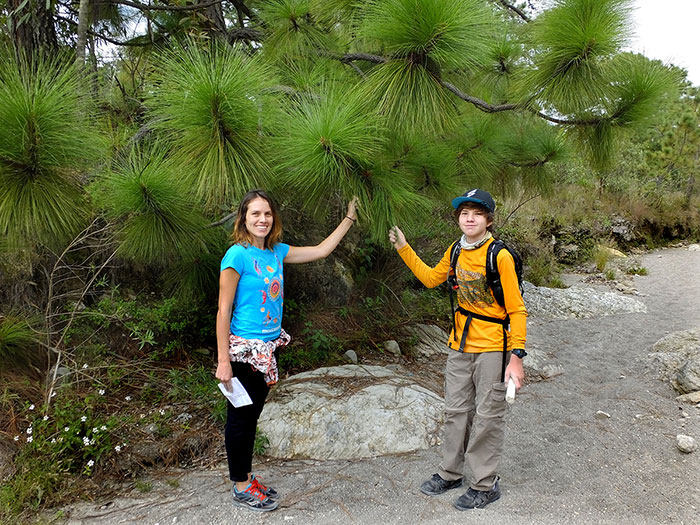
{"type": "Point", "coordinates": [7, 452]}
{"type": "Point", "coordinates": [431, 340]}
{"type": "Point", "coordinates": [348, 412]}
{"type": "Point", "coordinates": [676, 359]}
{"type": "Point", "coordinates": [576, 302]}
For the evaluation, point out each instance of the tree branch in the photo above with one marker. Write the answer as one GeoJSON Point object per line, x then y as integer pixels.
{"type": "Point", "coordinates": [103, 37]}
{"type": "Point", "coordinates": [144, 7]}
{"type": "Point", "coordinates": [376, 59]}
{"type": "Point", "coordinates": [478, 103]}
{"type": "Point", "coordinates": [516, 10]}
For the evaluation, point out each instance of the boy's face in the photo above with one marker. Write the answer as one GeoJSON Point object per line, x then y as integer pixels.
{"type": "Point", "coordinates": [473, 221]}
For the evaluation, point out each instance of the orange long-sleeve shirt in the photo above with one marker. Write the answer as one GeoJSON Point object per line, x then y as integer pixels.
{"type": "Point", "coordinates": [474, 295]}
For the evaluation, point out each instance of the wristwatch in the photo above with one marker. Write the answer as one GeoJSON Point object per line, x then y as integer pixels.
{"type": "Point", "coordinates": [518, 352]}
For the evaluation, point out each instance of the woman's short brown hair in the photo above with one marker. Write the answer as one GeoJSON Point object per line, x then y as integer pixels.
{"type": "Point", "coordinates": [241, 235]}
{"type": "Point", "coordinates": [475, 206]}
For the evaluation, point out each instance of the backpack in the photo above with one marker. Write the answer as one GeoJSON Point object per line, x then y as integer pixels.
{"type": "Point", "coordinates": [493, 280]}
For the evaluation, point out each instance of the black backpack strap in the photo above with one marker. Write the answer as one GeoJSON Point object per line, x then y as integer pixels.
{"type": "Point", "coordinates": [452, 283]}
{"type": "Point", "coordinates": [493, 277]}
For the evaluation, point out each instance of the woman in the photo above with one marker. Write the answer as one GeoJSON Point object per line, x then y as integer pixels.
{"type": "Point", "coordinates": [248, 327]}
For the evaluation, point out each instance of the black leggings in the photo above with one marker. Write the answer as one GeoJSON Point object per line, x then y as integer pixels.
{"type": "Point", "coordinates": [241, 422]}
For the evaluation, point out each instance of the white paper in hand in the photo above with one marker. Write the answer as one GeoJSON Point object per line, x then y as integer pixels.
{"type": "Point", "coordinates": [237, 395]}
{"type": "Point", "coordinates": [510, 391]}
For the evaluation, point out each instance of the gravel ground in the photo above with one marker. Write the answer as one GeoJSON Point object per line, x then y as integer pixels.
{"type": "Point", "coordinates": [563, 464]}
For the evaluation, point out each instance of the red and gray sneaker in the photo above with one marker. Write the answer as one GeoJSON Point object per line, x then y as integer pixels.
{"type": "Point", "coordinates": [268, 491]}
{"type": "Point", "coordinates": [253, 498]}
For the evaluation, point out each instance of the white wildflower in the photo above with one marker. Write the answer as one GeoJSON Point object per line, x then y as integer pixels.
{"type": "Point", "coordinates": [31, 407]}
{"type": "Point", "coordinates": [30, 439]}
{"type": "Point", "coordinates": [101, 391]}
{"type": "Point", "coordinates": [92, 441]}
{"type": "Point", "coordinates": [53, 440]}
{"type": "Point", "coordinates": [90, 463]}
{"type": "Point", "coordinates": [128, 398]}
{"type": "Point", "coordinates": [118, 448]}
{"type": "Point", "coordinates": [45, 418]}
{"type": "Point", "coordinates": [83, 419]}
{"type": "Point", "coordinates": [161, 412]}
{"type": "Point", "coordinates": [85, 366]}
{"type": "Point", "coordinates": [29, 430]}
{"type": "Point", "coordinates": [16, 438]}
{"type": "Point", "coordinates": [103, 427]}
{"type": "Point", "coordinates": [66, 429]}
{"type": "Point", "coordinates": [86, 441]}
{"type": "Point", "coordinates": [95, 430]}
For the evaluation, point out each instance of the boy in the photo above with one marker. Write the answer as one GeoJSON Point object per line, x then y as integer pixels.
{"type": "Point", "coordinates": [475, 383]}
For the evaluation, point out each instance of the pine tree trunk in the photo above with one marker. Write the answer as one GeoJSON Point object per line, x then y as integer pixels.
{"type": "Point", "coordinates": [82, 32]}
{"type": "Point", "coordinates": [34, 35]}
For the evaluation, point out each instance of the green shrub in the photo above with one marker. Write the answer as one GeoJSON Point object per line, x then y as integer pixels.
{"type": "Point", "coordinates": [18, 342]}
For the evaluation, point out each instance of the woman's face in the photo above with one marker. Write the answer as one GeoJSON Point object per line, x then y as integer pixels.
{"type": "Point", "coordinates": [258, 218]}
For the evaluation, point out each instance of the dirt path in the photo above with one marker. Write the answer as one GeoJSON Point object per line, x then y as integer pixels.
{"type": "Point", "coordinates": [562, 464]}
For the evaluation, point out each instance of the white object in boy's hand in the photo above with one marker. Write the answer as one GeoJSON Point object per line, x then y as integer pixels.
{"type": "Point", "coordinates": [510, 391]}
{"type": "Point", "coordinates": [235, 393]}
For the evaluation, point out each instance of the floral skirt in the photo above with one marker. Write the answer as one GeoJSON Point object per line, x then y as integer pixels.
{"type": "Point", "coordinates": [258, 353]}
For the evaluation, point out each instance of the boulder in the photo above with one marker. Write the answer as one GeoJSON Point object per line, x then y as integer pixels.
{"type": "Point", "coordinates": [349, 412]}
{"type": "Point", "coordinates": [576, 302]}
{"type": "Point", "coordinates": [7, 452]}
{"type": "Point", "coordinates": [431, 340]}
{"type": "Point", "coordinates": [676, 359]}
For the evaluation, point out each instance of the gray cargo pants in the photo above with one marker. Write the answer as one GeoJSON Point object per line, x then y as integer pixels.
{"type": "Point", "coordinates": [475, 407]}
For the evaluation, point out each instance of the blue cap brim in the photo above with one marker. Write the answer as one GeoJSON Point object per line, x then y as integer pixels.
{"type": "Point", "coordinates": [457, 201]}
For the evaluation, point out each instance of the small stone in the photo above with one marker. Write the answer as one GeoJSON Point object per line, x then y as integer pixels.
{"type": "Point", "coordinates": [351, 356]}
{"type": "Point", "coordinates": [392, 347]}
{"type": "Point", "coordinates": [694, 248]}
{"type": "Point", "coordinates": [622, 376]}
{"type": "Point", "coordinates": [686, 444]}
{"type": "Point", "coordinates": [602, 415]}
{"type": "Point", "coordinates": [693, 397]}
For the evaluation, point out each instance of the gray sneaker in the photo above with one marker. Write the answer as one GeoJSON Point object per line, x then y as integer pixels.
{"type": "Point", "coordinates": [477, 499]}
{"type": "Point", "coordinates": [253, 498]}
{"type": "Point", "coordinates": [436, 485]}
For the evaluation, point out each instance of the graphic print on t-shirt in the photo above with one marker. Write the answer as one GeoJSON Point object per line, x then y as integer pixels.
{"type": "Point", "coordinates": [473, 288]}
{"type": "Point", "coordinates": [272, 292]}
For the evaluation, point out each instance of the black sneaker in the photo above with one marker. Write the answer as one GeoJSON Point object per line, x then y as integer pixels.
{"type": "Point", "coordinates": [268, 491]}
{"type": "Point", "coordinates": [477, 499]}
{"type": "Point", "coordinates": [436, 485]}
{"type": "Point", "coordinates": [252, 498]}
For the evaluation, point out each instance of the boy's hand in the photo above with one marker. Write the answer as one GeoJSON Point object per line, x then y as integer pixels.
{"type": "Point", "coordinates": [397, 238]}
{"type": "Point", "coordinates": [515, 370]}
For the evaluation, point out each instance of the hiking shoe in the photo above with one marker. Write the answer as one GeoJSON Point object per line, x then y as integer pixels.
{"type": "Point", "coordinates": [477, 499]}
{"type": "Point", "coordinates": [436, 485]}
{"type": "Point", "coordinates": [268, 491]}
{"type": "Point", "coordinates": [252, 498]}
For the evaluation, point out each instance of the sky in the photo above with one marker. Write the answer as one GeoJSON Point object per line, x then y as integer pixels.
{"type": "Point", "coordinates": [668, 30]}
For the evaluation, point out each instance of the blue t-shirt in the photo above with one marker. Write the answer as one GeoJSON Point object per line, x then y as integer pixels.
{"type": "Point", "coordinates": [257, 306]}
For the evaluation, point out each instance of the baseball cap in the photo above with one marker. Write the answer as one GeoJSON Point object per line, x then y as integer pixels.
{"type": "Point", "coordinates": [478, 196]}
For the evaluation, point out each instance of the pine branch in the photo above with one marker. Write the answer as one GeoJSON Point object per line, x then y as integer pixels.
{"type": "Point", "coordinates": [104, 37]}
{"type": "Point", "coordinates": [144, 7]}
{"type": "Point", "coordinates": [516, 10]}
{"type": "Point", "coordinates": [481, 104]}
